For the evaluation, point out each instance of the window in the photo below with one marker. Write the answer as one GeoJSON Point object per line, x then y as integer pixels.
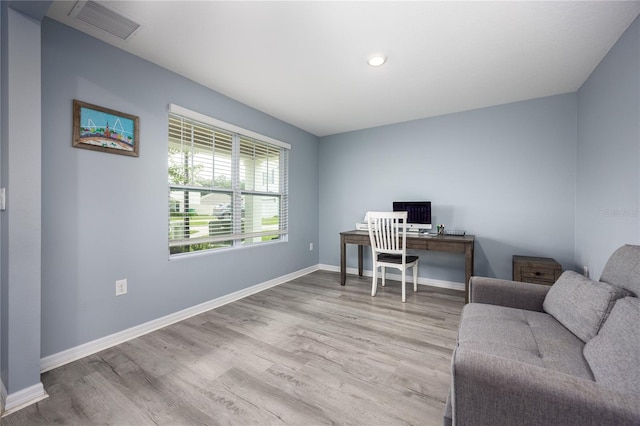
{"type": "Point", "coordinates": [228, 187]}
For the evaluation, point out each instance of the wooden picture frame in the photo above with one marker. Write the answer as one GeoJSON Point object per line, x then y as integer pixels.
{"type": "Point", "coordinates": [103, 129]}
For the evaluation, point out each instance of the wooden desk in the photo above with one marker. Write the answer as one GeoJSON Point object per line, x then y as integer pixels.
{"type": "Point", "coordinates": [446, 243]}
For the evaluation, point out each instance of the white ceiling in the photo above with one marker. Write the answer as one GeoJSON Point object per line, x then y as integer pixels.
{"type": "Point", "coordinates": [305, 62]}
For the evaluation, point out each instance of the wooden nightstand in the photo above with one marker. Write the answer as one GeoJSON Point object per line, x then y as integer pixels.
{"type": "Point", "coordinates": [539, 270]}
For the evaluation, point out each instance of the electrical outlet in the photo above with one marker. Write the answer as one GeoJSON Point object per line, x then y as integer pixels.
{"type": "Point", "coordinates": [585, 271]}
{"type": "Point", "coordinates": [121, 287]}
{"type": "Point", "coordinates": [310, 246]}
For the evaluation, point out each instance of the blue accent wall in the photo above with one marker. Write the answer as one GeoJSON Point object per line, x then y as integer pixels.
{"type": "Point", "coordinates": [608, 174]}
{"type": "Point", "coordinates": [105, 216]}
{"type": "Point", "coordinates": [505, 174]}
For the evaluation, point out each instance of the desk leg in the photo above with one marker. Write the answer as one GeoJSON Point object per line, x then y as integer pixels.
{"type": "Point", "coordinates": [343, 261]}
{"type": "Point", "coordinates": [468, 269]}
{"type": "Point", "coordinates": [360, 251]}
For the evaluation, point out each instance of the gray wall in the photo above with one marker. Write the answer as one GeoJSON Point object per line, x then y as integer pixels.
{"type": "Point", "coordinates": [20, 245]}
{"type": "Point", "coordinates": [105, 216]}
{"type": "Point", "coordinates": [608, 175]}
{"type": "Point", "coordinates": [505, 174]}
{"type": "Point", "coordinates": [4, 119]}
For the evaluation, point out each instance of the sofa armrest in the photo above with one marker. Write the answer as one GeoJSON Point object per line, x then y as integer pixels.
{"type": "Point", "coordinates": [512, 294]}
{"type": "Point", "coordinates": [489, 390]}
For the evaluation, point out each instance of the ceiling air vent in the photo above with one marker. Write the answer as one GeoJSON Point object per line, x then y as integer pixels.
{"type": "Point", "coordinates": [107, 19]}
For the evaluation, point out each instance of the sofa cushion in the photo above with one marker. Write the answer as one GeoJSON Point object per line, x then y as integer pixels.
{"type": "Point", "coordinates": [580, 304]}
{"type": "Point", "coordinates": [525, 336]}
{"type": "Point", "coordinates": [614, 354]}
{"type": "Point", "coordinates": [623, 269]}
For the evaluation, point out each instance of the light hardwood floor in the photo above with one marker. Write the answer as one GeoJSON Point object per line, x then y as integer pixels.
{"type": "Point", "coordinates": [307, 352]}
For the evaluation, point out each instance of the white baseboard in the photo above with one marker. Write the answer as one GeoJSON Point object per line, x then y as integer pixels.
{"type": "Point", "coordinates": [61, 358]}
{"type": "Point", "coordinates": [27, 396]}
{"type": "Point", "coordinates": [397, 277]}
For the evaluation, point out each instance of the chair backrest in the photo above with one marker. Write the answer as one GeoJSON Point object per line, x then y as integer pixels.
{"type": "Point", "coordinates": [388, 232]}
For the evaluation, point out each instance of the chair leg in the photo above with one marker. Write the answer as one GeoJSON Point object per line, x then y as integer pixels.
{"type": "Point", "coordinates": [415, 277]}
{"type": "Point", "coordinates": [404, 288]}
{"type": "Point", "coordinates": [384, 274]}
{"type": "Point", "coordinates": [374, 283]}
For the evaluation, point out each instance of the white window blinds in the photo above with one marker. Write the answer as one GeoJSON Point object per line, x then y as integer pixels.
{"type": "Point", "coordinates": [226, 188]}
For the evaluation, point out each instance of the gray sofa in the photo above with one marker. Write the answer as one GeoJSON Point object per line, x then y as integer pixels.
{"type": "Point", "coordinates": [569, 354]}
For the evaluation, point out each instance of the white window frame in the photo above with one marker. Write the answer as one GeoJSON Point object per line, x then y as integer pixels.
{"type": "Point", "coordinates": [239, 133]}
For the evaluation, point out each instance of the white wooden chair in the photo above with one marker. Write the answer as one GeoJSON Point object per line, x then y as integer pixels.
{"type": "Point", "coordinates": [388, 234]}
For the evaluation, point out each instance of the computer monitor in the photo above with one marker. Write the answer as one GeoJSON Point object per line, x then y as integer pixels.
{"type": "Point", "coordinates": [418, 213]}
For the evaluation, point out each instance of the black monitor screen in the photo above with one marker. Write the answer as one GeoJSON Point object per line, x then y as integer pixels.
{"type": "Point", "coordinates": [418, 212]}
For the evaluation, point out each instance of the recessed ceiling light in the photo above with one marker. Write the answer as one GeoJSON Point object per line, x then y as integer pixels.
{"type": "Point", "coordinates": [377, 60]}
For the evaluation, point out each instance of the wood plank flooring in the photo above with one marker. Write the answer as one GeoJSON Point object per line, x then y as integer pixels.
{"type": "Point", "coordinates": [307, 352]}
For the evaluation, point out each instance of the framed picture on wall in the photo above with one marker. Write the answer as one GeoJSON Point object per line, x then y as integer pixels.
{"type": "Point", "coordinates": [103, 129]}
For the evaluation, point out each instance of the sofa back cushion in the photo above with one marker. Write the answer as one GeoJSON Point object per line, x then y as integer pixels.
{"type": "Point", "coordinates": [623, 269]}
{"type": "Point", "coordinates": [614, 354]}
{"type": "Point", "coordinates": [580, 304]}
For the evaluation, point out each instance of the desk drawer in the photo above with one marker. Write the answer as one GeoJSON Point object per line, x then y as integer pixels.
{"type": "Point", "coordinates": [446, 246]}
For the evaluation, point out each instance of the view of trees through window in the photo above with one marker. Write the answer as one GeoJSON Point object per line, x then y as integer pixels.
{"type": "Point", "coordinates": [225, 189]}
